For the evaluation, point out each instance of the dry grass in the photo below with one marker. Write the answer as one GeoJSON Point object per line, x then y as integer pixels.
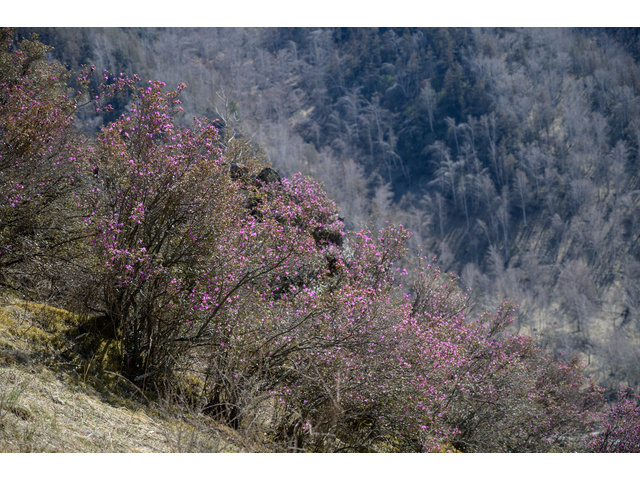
{"type": "Point", "coordinates": [48, 404]}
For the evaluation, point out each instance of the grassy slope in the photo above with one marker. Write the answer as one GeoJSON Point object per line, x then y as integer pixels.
{"type": "Point", "coordinates": [53, 399]}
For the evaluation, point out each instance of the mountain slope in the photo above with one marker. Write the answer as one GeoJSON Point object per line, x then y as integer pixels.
{"type": "Point", "coordinates": [54, 400]}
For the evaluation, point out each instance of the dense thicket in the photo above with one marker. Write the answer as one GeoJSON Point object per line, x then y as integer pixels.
{"type": "Point", "coordinates": [203, 260]}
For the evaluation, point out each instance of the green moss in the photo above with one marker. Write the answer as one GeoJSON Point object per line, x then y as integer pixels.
{"type": "Point", "coordinates": [35, 326]}
{"type": "Point", "coordinates": [108, 354]}
{"type": "Point", "coordinates": [6, 319]}
{"type": "Point", "coordinates": [39, 338]}
{"type": "Point", "coordinates": [51, 319]}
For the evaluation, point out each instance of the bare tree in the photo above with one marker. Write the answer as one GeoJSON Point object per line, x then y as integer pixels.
{"type": "Point", "coordinates": [580, 295]}
{"type": "Point", "coordinates": [428, 98]}
{"type": "Point", "coordinates": [521, 188]}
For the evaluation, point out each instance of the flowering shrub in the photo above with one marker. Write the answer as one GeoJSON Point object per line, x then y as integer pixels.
{"type": "Point", "coordinates": [178, 254]}
{"type": "Point", "coordinates": [285, 266]}
{"type": "Point", "coordinates": [38, 158]}
{"type": "Point", "coordinates": [389, 373]}
{"type": "Point", "coordinates": [161, 220]}
{"type": "Point", "coordinates": [483, 389]}
{"type": "Point", "coordinates": [620, 427]}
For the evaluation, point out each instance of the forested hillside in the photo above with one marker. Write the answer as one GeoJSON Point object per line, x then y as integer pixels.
{"type": "Point", "coordinates": [511, 155]}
